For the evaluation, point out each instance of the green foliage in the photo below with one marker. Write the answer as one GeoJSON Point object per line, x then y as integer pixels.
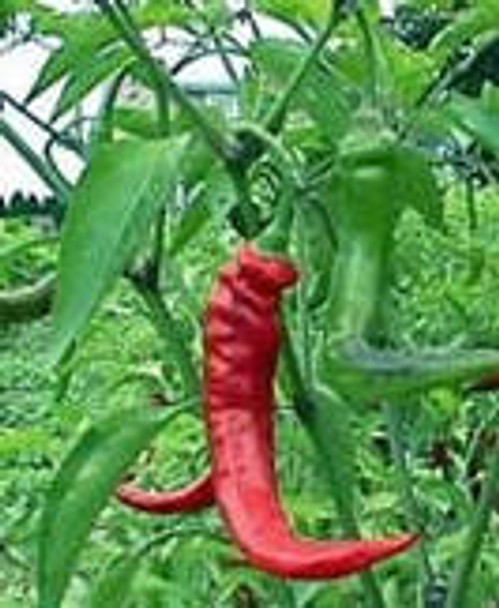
{"type": "Point", "coordinates": [80, 491]}
{"type": "Point", "coordinates": [114, 205]}
{"type": "Point", "coordinates": [478, 118]}
{"type": "Point", "coordinates": [315, 11]}
{"type": "Point", "coordinates": [325, 95]}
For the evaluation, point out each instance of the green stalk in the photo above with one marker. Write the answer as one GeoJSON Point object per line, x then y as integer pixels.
{"type": "Point", "coordinates": [163, 82]}
{"type": "Point", "coordinates": [41, 168]}
{"type": "Point", "coordinates": [370, 52]}
{"type": "Point", "coordinates": [304, 325]}
{"type": "Point", "coordinates": [307, 410]}
{"type": "Point", "coordinates": [122, 20]}
{"type": "Point", "coordinates": [66, 141]}
{"type": "Point", "coordinates": [245, 204]}
{"type": "Point", "coordinates": [157, 250]}
{"type": "Point", "coordinates": [102, 130]}
{"type": "Point", "coordinates": [275, 118]}
{"type": "Point", "coordinates": [461, 581]}
{"type": "Point", "coordinates": [276, 237]}
{"type": "Point", "coordinates": [171, 335]}
{"type": "Point", "coordinates": [471, 206]}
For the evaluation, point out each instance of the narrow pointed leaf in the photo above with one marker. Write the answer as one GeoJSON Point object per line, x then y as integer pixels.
{"type": "Point", "coordinates": [84, 36]}
{"type": "Point", "coordinates": [110, 215]}
{"type": "Point", "coordinates": [91, 74]}
{"type": "Point", "coordinates": [314, 11]}
{"type": "Point", "coordinates": [81, 489]}
{"type": "Point", "coordinates": [478, 119]}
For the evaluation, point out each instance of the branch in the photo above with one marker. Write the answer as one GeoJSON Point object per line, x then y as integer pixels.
{"type": "Point", "coordinates": [162, 79]}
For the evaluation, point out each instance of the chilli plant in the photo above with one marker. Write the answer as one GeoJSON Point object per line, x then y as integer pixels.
{"type": "Point", "coordinates": [273, 229]}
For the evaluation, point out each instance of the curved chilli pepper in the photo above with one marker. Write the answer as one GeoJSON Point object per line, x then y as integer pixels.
{"type": "Point", "coordinates": [242, 339]}
{"type": "Point", "coordinates": [194, 497]}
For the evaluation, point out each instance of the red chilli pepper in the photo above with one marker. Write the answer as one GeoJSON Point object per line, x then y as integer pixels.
{"type": "Point", "coordinates": [242, 340]}
{"type": "Point", "coordinates": [196, 496]}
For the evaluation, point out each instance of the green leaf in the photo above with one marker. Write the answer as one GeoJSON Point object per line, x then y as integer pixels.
{"type": "Point", "coordinates": [324, 94]}
{"type": "Point", "coordinates": [138, 122]}
{"type": "Point", "coordinates": [479, 119]}
{"type": "Point", "coordinates": [328, 421]}
{"type": "Point", "coordinates": [109, 217]}
{"type": "Point", "coordinates": [315, 11]}
{"type": "Point", "coordinates": [84, 35]}
{"type": "Point", "coordinates": [479, 19]}
{"type": "Point", "coordinates": [416, 185]}
{"type": "Point", "coordinates": [81, 489]}
{"type": "Point", "coordinates": [90, 75]}
{"type": "Point", "coordinates": [113, 587]}
{"type": "Point", "coordinates": [404, 73]}
{"type": "Point", "coordinates": [158, 13]}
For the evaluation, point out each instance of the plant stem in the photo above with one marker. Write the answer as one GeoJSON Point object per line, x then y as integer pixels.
{"type": "Point", "coordinates": [245, 204]}
{"type": "Point", "coordinates": [161, 78]}
{"type": "Point", "coordinates": [471, 206]}
{"type": "Point", "coordinates": [64, 140]}
{"type": "Point", "coordinates": [157, 249]}
{"type": "Point", "coordinates": [40, 167]}
{"type": "Point", "coordinates": [370, 52]}
{"type": "Point", "coordinates": [301, 395]}
{"type": "Point", "coordinates": [102, 130]}
{"type": "Point", "coordinates": [171, 335]}
{"type": "Point", "coordinates": [462, 577]}
{"type": "Point", "coordinates": [275, 118]}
